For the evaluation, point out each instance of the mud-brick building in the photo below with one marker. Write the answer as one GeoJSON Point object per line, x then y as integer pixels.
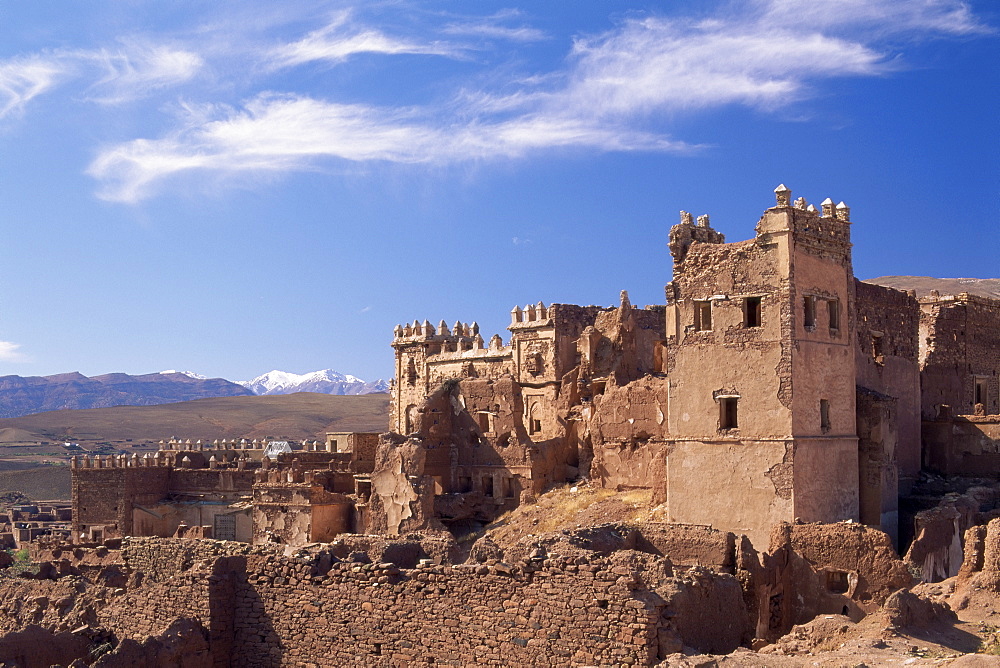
{"type": "Point", "coordinates": [772, 386]}
{"type": "Point", "coordinates": [778, 406]}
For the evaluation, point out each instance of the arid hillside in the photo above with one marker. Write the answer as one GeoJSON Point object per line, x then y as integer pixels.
{"type": "Point", "coordinates": [984, 287]}
{"type": "Point", "coordinates": [294, 416]}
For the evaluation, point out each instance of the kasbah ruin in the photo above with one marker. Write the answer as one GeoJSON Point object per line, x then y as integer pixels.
{"type": "Point", "coordinates": [726, 479]}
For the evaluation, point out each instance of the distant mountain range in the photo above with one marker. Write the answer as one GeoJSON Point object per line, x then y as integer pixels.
{"type": "Point", "coordinates": [983, 287]}
{"type": "Point", "coordinates": [326, 381]}
{"type": "Point", "coordinates": [35, 394]}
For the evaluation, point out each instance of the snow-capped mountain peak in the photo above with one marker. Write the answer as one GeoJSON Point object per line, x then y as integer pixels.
{"type": "Point", "coordinates": [325, 381]}
{"type": "Point", "coordinates": [189, 374]}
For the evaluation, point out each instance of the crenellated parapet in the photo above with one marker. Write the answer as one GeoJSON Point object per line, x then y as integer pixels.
{"type": "Point", "coordinates": [825, 231]}
{"type": "Point", "coordinates": [532, 315]}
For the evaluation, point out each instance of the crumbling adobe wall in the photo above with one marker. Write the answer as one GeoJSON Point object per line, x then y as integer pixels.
{"type": "Point", "coordinates": [690, 545]}
{"type": "Point", "coordinates": [843, 568]}
{"type": "Point", "coordinates": [937, 548]}
{"type": "Point", "coordinates": [878, 437]}
{"type": "Point", "coordinates": [962, 444]}
{"type": "Point", "coordinates": [106, 495]}
{"type": "Point", "coordinates": [627, 432]}
{"type": "Point", "coordinates": [886, 361]}
{"type": "Point", "coordinates": [402, 498]}
{"type": "Point", "coordinates": [702, 362]}
{"type": "Point", "coordinates": [205, 480]}
{"type": "Point", "coordinates": [959, 337]}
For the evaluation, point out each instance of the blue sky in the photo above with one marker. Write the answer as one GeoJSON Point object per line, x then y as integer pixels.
{"type": "Point", "coordinates": [232, 187]}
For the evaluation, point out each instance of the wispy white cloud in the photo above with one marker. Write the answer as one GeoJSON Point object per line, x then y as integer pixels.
{"type": "Point", "coordinates": [874, 17]}
{"type": "Point", "coordinates": [491, 28]}
{"type": "Point", "coordinates": [657, 64]}
{"type": "Point", "coordinates": [283, 133]}
{"type": "Point", "coordinates": [126, 73]}
{"type": "Point", "coordinates": [9, 352]}
{"type": "Point", "coordinates": [339, 40]}
{"type": "Point", "coordinates": [23, 79]}
{"type": "Point", "coordinates": [138, 68]}
{"type": "Point", "coordinates": [612, 93]}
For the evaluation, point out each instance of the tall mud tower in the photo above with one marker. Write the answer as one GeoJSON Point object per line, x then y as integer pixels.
{"type": "Point", "coordinates": [760, 355]}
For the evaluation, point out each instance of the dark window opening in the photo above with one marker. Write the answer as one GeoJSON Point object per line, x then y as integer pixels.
{"type": "Point", "coordinates": [752, 311]}
{"type": "Point", "coordinates": [483, 420]}
{"type": "Point", "coordinates": [824, 415]}
{"type": "Point", "coordinates": [702, 316]}
{"type": "Point", "coordinates": [464, 483]}
{"type": "Point", "coordinates": [877, 348]}
{"type": "Point", "coordinates": [836, 582]}
{"type": "Point", "coordinates": [597, 387]}
{"type": "Point", "coordinates": [536, 425]}
{"type": "Point", "coordinates": [833, 306]}
{"type": "Point", "coordinates": [727, 413]}
{"type": "Point", "coordinates": [980, 394]}
{"type": "Point", "coordinates": [508, 488]}
{"type": "Point", "coordinates": [602, 604]}
{"type": "Point", "coordinates": [488, 485]}
{"type": "Point", "coordinates": [377, 649]}
{"type": "Point", "coordinates": [810, 311]}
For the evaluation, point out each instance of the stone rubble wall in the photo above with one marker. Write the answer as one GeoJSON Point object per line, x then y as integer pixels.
{"type": "Point", "coordinates": [269, 610]}
{"type": "Point", "coordinates": [260, 608]}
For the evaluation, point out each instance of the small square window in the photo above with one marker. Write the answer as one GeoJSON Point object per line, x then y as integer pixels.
{"type": "Point", "coordinates": [752, 311]}
{"type": "Point", "coordinates": [837, 582]}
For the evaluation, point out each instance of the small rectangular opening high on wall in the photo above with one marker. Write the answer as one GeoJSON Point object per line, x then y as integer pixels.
{"type": "Point", "coordinates": [703, 316]}
{"type": "Point", "coordinates": [809, 311]}
{"type": "Point", "coordinates": [833, 308]}
{"type": "Point", "coordinates": [824, 415]}
{"type": "Point", "coordinates": [981, 393]}
{"type": "Point", "coordinates": [752, 311]}
{"type": "Point", "coordinates": [728, 413]}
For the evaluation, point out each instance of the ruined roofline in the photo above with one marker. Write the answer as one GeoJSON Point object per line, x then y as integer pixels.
{"type": "Point", "coordinates": [829, 221]}
{"type": "Point", "coordinates": [961, 298]}
{"type": "Point", "coordinates": [539, 316]}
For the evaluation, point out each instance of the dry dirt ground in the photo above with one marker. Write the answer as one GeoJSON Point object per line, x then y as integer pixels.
{"type": "Point", "coordinates": [892, 637]}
